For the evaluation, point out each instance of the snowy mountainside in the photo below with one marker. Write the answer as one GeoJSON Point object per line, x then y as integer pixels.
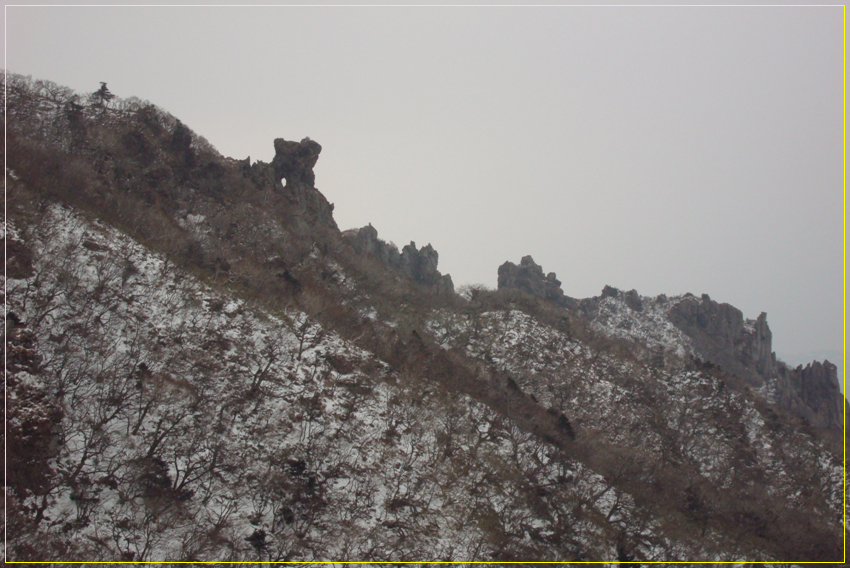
{"type": "Point", "coordinates": [651, 326]}
{"type": "Point", "coordinates": [199, 427]}
{"type": "Point", "coordinates": [200, 366]}
{"type": "Point", "coordinates": [658, 407]}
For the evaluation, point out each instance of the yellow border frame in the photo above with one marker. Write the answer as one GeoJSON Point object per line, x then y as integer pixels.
{"type": "Point", "coordinates": [844, 379]}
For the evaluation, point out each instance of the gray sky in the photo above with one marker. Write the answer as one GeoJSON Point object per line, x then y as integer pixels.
{"type": "Point", "coordinates": [663, 149]}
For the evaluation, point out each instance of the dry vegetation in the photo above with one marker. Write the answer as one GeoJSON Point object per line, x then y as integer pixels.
{"type": "Point", "coordinates": [377, 420]}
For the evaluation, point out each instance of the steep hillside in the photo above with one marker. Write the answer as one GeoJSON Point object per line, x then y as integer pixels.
{"type": "Point", "coordinates": [200, 366]}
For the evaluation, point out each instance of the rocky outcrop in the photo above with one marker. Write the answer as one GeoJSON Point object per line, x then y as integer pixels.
{"type": "Point", "coordinates": [631, 298]}
{"type": "Point", "coordinates": [365, 241]}
{"type": "Point", "coordinates": [757, 346]}
{"type": "Point", "coordinates": [294, 161]}
{"type": "Point", "coordinates": [812, 392]}
{"type": "Point", "coordinates": [292, 168]}
{"type": "Point", "coordinates": [528, 277]}
{"type": "Point", "coordinates": [420, 265]}
{"type": "Point", "coordinates": [721, 335]}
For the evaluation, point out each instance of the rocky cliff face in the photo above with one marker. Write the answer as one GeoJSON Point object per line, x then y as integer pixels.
{"type": "Point", "coordinates": [420, 265]}
{"type": "Point", "coordinates": [717, 333]}
{"type": "Point", "coordinates": [528, 277]}
{"type": "Point", "coordinates": [722, 336]}
{"type": "Point", "coordinates": [713, 332]}
{"type": "Point", "coordinates": [811, 392]}
{"type": "Point", "coordinates": [293, 165]}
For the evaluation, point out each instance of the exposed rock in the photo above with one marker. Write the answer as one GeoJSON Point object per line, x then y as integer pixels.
{"type": "Point", "coordinates": [292, 168]}
{"type": "Point", "coordinates": [294, 161]}
{"type": "Point", "coordinates": [757, 348]}
{"type": "Point", "coordinates": [632, 298]}
{"type": "Point", "coordinates": [812, 392]}
{"type": "Point", "coordinates": [365, 241]}
{"type": "Point", "coordinates": [420, 265]}
{"type": "Point", "coordinates": [243, 166]}
{"type": "Point", "coordinates": [528, 277]}
{"type": "Point", "coordinates": [721, 335]}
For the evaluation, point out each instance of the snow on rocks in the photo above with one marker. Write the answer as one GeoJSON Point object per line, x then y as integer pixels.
{"type": "Point", "coordinates": [650, 325]}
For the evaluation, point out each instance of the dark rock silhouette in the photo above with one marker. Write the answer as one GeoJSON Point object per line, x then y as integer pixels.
{"type": "Point", "coordinates": [721, 335]}
{"type": "Point", "coordinates": [294, 161]}
{"type": "Point", "coordinates": [292, 170]}
{"type": "Point", "coordinates": [812, 392]}
{"type": "Point", "coordinates": [528, 277]}
{"type": "Point", "coordinates": [420, 265]}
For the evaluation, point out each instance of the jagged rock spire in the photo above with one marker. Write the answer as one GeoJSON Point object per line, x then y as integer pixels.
{"type": "Point", "coordinates": [294, 161]}
{"type": "Point", "coordinates": [528, 277]}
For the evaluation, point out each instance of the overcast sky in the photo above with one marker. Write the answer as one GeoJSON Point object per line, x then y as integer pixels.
{"type": "Point", "coordinates": [668, 150]}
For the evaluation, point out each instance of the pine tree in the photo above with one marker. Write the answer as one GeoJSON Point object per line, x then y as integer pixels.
{"type": "Point", "coordinates": [102, 96]}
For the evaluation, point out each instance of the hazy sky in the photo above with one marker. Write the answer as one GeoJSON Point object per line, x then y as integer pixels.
{"type": "Point", "coordinates": [669, 150]}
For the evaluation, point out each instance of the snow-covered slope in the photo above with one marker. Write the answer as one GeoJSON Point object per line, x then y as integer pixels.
{"type": "Point", "coordinates": [201, 367]}
{"type": "Point", "coordinates": [200, 427]}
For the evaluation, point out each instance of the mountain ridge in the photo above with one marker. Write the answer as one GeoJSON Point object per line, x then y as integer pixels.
{"type": "Point", "coordinates": [205, 368]}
